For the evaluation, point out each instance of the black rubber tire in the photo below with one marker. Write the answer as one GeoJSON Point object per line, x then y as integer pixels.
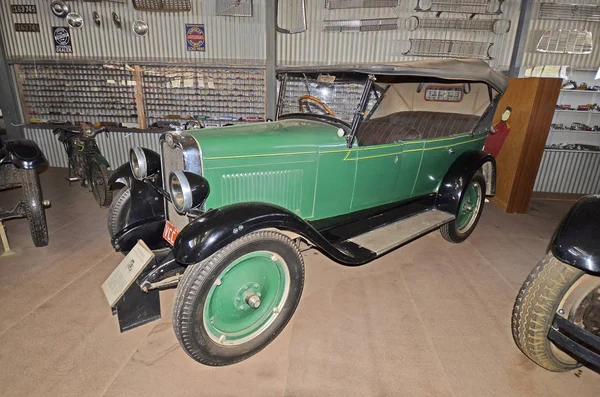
{"type": "Point", "coordinates": [121, 202]}
{"type": "Point", "coordinates": [534, 310]}
{"type": "Point", "coordinates": [449, 230]}
{"type": "Point", "coordinates": [102, 193]}
{"type": "Point", "coordinates": [34, 209]}
{"type": "Point", "coordinates": [188, 306]}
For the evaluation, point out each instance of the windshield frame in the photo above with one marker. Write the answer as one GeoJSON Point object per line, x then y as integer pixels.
{"type": "Point", "coordinates": [359, 113]}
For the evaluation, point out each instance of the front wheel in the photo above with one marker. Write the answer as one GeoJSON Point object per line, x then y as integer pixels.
{"type": "Point", "coordinates": [34, 208]}
{"type": "Point", "coordinates": [551, 287]}
{"type": "Point", "coordinates": [99, 175]}
{"type": "Point", "coordinates": [232, 305]}
{"type": "Point", "coordinates": [469, 211]}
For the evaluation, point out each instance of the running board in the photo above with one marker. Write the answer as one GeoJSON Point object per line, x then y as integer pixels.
{"type": "Point", "coordinates": [391, 236]}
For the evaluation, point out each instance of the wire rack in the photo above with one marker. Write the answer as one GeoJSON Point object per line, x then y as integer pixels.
{"type": "Point", "coordinates": [234, 8]}
{"type": "Point", "coordinates": [162, 5]}
{"type": "Point", "coordinates": [449, 48]}
{"type": "Point", "coordinates": [564, 41]}
{"type": "Point", "coordinates": [340, 4]}
{"type": "Point", "coordinates": [472, 7]}
{"type": "Point", "coordinates": [574, 12]}
{"type": "Point", "coordinates": [497, 26]}
{"type": "Point", "coordinates": [360, 25]}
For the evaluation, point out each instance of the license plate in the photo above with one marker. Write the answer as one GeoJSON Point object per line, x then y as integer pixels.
{"type": "Point", "coordinates": [170, 232]}
{"type": "Point", "coordinates": [125, 274]}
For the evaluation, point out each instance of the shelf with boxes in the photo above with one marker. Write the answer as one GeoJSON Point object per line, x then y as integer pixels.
{"type": "Point", "coordinates": [140, 96]}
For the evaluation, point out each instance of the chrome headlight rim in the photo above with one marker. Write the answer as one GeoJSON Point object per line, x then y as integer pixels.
{"type": "Point", "coordinates": [180, 192]}
{"type": "Point", "coordinates": [138, 163]}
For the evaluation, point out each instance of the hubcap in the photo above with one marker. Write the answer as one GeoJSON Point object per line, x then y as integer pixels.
{"type": "Point", "coordinates": [246, 298]}
{"type": "Point", "coordinates": [469, 207]}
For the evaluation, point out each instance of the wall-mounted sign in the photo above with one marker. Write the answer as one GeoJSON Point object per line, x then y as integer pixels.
{"type": "Point", "coordinates": [27, 27]}
{"type": "Point", "coordinates": [195, 37]}
{"type": "Point", "coordinates": [23, 9]}
{"type": "Point", "coordinates": [62, 40]}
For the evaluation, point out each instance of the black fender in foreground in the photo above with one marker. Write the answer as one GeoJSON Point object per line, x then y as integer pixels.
{"type": "Point", "coordinates": [217, 228]}
{"type": "Point", "coordinates": [458, 177]}
{"type": "Point", "coordinates": [22, 153]}
{"type": "Point", "coordinates": [120, 177]}
{"type": "Point", "coordinates": [576, 241]}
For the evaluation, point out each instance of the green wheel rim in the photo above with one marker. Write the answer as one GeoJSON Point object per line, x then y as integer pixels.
{"type": "Point", "coordinates": [246, 298]}
{"type": "Point", "coordinates": [469, 207]}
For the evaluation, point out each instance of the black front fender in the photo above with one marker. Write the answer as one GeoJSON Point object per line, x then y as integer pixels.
{"type": "Point", "coordinates": [217, 228]}
{"type": "Point", "coordinates": [458, 177]}
{"type": "Point", "coordinates": [576, 241]}
{"type": "Point", "coordinates": [121, 177]}
{"type": "Point", "coordinates": [22, 153]}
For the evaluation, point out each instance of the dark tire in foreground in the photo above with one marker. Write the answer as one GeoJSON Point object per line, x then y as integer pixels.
{"type": "Point", "coordinates": [34, 208]}
{"type": "Point", "coordinates": [232, 305]}
{"type": "Point", "coordinates": [99, 184]}
{"type": "Point", "coordinates": [469, 211]}
{"type": "Point", "coordinates": [538, 301]}
{"type": "Point", "coordinates": [118, 209]}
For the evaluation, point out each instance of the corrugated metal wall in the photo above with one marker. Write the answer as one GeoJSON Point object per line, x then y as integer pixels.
{"type": "Point", "coordinates": [537, 28]}
{"type": "Point", "coordinates": [238, 40]}
{"type": "Point", "coordinates": [115, 146]}
{"type": "Point", "coordinates": [318, 47]}
{"type": "Point", "coordinates": [569, 172]}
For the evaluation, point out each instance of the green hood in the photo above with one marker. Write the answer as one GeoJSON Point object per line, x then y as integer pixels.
{"type": "Point", "coordinates": [253, 140]}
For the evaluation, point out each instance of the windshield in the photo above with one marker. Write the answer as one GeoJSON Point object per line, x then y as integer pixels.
{"type": "Point", "coordinates": [323, 95]}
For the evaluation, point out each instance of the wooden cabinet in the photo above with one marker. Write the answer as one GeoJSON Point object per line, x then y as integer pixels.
{"type": "Point", "coordinates": [532, 101]}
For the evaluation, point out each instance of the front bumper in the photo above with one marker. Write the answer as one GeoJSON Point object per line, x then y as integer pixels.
{"type": "Point", "coordinates": [579, 343]}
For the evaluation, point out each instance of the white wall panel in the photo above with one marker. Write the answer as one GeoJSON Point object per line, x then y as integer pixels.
{"type": "Point", "coordinates": [239, 40]}
{"type": "Point", "coordinates": [318, 47]}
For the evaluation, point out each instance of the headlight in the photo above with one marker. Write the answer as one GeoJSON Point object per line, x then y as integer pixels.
{"type": "Point", "coordinates": [143, 162]}
{"type": "Point", "coordinates": [188, 190]}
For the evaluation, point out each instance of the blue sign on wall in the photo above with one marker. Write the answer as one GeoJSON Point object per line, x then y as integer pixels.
{"type": "Point", "coordinates": [195, 37]}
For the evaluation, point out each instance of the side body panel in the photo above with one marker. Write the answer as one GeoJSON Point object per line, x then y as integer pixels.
{"type": "Point", "coordinates": [576, 241]}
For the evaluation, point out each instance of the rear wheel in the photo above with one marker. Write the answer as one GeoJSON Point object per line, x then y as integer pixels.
{"type": "Point", "coordinates": [469, 211]}
{"type": "Point", "coordinates": [554, 287]}
{"type": "Point", "coordinates": [233, 304]}
{"type": "Point", "coordinates": [99, 175]}
{"type": "Point", "coordinates": [34, 208]}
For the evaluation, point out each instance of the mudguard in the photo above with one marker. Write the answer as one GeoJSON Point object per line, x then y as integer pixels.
{"type": "Point", "coordinates": [22, 153]}
{"type": "Point", "coordinates": [120, 177]}
{"type": "Point", "coordinates": [102, 160]}
{"type": "Point", "coordinates": [576, 241]}
{"type": "Point", "coordinates": [144, 218]}
{"type": "Point", "coordinates": [219, 227]}
{"type": "Point", "coordinates": [458, 177]}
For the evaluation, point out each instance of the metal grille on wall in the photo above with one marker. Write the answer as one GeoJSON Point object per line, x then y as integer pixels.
{"type": "Point", "coordinates": [565, 171]}
{"type": "Point", "coordinates": [554, 15]}
{"type": "Point", "coordinates": [228, 40]}
{"type": "Point", "coordinates": [320, 45]}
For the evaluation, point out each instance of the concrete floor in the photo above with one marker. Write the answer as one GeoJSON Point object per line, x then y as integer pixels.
{"type": "Point", "coordinates": [430, 319]}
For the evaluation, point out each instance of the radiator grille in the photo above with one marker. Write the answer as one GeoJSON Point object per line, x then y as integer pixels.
{"type": "Point", "coordinates": [172, 160]}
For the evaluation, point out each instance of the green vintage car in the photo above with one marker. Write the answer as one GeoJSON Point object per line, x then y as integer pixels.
{"type": "Point", "coordinates": [361, 160]}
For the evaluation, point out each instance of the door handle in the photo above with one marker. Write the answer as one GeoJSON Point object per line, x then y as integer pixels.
{"type": "Point", "coordinates": [451, 151]}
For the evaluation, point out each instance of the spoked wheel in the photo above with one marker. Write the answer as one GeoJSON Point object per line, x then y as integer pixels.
{"type": "Point", "coordinates": [34, 208]}
{"type": "Point", "coordinates": [235, 303]}
{"type": "Point", "coordinates": [99, 175]}
{"type": "Point", "coordinates": [469, 211]}
{"type": "Point", "coordinates": [554, 287]}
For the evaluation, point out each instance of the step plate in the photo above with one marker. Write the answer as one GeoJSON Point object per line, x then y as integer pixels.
{"type": "Point", "coordinates": [398, 233]}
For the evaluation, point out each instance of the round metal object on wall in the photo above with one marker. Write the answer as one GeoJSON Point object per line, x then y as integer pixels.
{"type": "Point", "coordinates": [117, 20]}
{"type": "Point", "coordinates": [60, 8]}
{"type": "Point", "coordinates": [97, 20]}
{"type": "Point", "coordinates": [74, 20]}
{"type": "Point", "coordinates": [140, 28]}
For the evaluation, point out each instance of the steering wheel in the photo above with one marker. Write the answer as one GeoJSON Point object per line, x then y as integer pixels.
{"type": "Point", "coordinates": [314, 99]}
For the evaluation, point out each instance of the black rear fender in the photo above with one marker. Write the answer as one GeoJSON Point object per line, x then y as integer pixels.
{"type": "Point", "coordinates": [22, 153]}
{"type": "Point", "coordinates": [576, 241]}
{"type": "Point", "coordinates": [217, 228]}
{"type": "Point", "coordinates": [460, 174]}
